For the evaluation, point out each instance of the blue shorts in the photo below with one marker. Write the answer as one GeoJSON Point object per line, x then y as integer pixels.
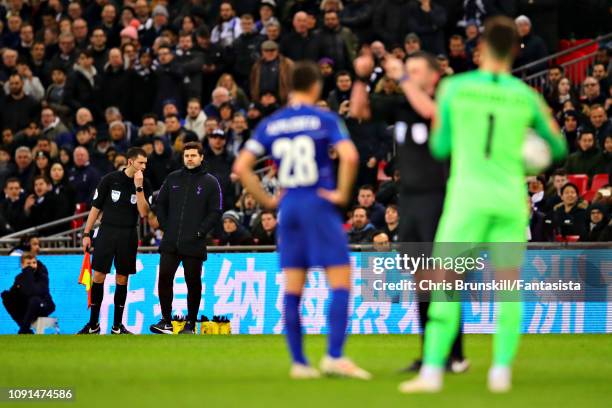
{"type": "Point", "coordinates": [310, 233]}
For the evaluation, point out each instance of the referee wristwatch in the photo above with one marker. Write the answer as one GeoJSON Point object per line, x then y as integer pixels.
{"type": "Point", "coordinates": [139, 189]}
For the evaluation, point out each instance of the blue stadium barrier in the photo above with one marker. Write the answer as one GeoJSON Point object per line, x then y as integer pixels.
{"type": "Point", "coordinates": [247, 288]}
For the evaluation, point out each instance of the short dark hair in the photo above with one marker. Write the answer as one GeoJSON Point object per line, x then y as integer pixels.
{"type": "Point", "coordinates": [269, 212]}
{"type": "Point", "coordinates": [393, 206]}
{"type": "Point", "coordinates": [559, 67]}
{"type": "Point", "coordinates": [305, 74]}
{"type": "Point", "coordinates": [12, 180]}
{"type": "Point", "coordinates": [194, 100]}
{"type": "Point", "coordinates": [361, 207]}
{"type": "Point", "coordinates": [572, 185]}
{"type": "Point", "coordinates": [247, 16]}
{"type": "Point", "coordinates": [172, 115]}
{"type": "Point", "coordinates": [343, 73]}
{"type": "Point", "coordinates": [149, 116]}
{"type": "Point", "coordinates": [560, 172]}
{"type": "Point", "coordinates": [194, 145]}
{"type": "Point", "coordinates": [432, 62]}
{"type": "Point", "coordinates": [501, 35]}
{"type": "Point", "coordinates": [42, 177]}
{"type": "Point", "coordinates": [368, 187]}
{"type": "Point", "coordinates": [27, 256]}
{"type": "Point", "coordinates": [134, 152]}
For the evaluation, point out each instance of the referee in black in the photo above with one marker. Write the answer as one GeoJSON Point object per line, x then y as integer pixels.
{"type": "Point", "coordinates": [422, 178]}
{"type": "Point", "coordinates": [121, 197]}
{"type": "Point", "coordinates": [189, 205]}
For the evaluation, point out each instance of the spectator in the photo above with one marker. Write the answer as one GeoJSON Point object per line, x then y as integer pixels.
{"type": "Point", "coordinates": [600, 73]}
{"type": "Point", "coordinates": [472, 36]}
{"type": "Point", "coordinates": [238, 134]}
{"type": "Point", "coordinates": [271, 73]}
{"type": "Point", "coordinates": [388, 192]}
{"type": "Point", "coordinates": [80, 32]}
{"type": "Point", "coordinates": [367, 199]}
{"type": "Point", "coordinates": [237, 96]}
{"type": "Point", "coordinates": [553, 194]}
{"type": "Point", "coordinates": [191, 62]}
{"type": "Point", "coordinates": [109, 24]}
{"type": "Point", "coordinates": [55, 93]}
{"type": "Point", "coordinates": [152, 31]}
{"type": "Point", "coordinates": [602, 126]}
{"type": "Point", "coordinates": [273, 32]}
{"type": "Point", "coordinates": [67, 55]}
{"type": "Point", "coordinates": [248, 210]}
{"type": "Point", "coordinates": [357, 16]}
{"type": "Point", "coordinates": [28, 136]}
{"type": "Point", "coordinates": [233, 232]}
{"type": "Point", "coordinates": [118, 136]}
{"type": "Point", "coordinates": [42, 166]}
{"type": "Point", "coordinates": [554, 75]}
{"type": "Point", "coordinates": [31, 84]}
{"type": "Point", "coordinates": [412, 44]}
{"type": "Point", "coordinates": [381, 242]}
{"type": "Point", "coordinates": [591, 93]}
{"type": "Point", "coordinates": [457, 57]}
{"type": "Point", "coordinates": [532, 47]}
{"type": "Point", "coordinates": [569, 217]}
{"type": "Point", "coordinates": [342, 93]}
{"type": "Point", "coordinates": [228, 27]}
{"type": "Point", "coordinates": [160, 163]}
{"type": "Point", "coordinates": [598, 222]}
{"type": "Point", "coordinates": [300, 43]}
{"type": "Point", "coordinates": [219, 163]}
{"type": "Point", "coordinates": [266, 234]}
{"type": "Point", "coordinates": [427, 19]}
{"type": "Point", "coordinates": [19, 109]}
{"type": "Point", "coordinates": [11, 206]}
{"type": "Point", "coordinates": [213, 61]}
{"type": "Point", "coordinates": [53, 128]}
{"type": "Point", "coordinates": [63, 191]}
{"type": "Point", "coordinates": [41, 207]}
{"type": "Point", "coordinates": [177, 135]}
{"type": "Point", "coordinates": [83, 176]}
{"type": "Point", "coordinates": [390, 22]}
{"type": "Point", "coordinates": [537, 231]}
{"type": "Point", "coordinates": [362, 231]}
{"type": "Point", "coordinates": [114, 81]}
{"type": "Point", "coordinates": [83, 86]}
{"type": "Point", "coordinates": [169, 79]}
{"type": "Point", "coordinates": [391, 223]}
{"type": "Point", "coordinates": [24, 165]}
{"type": "Point", "coordinates": [588, 158]}
{"type": "Point", "coordinates": [561, 93]}
{"type": "Point", "coordinates": [99, 50]}
{"type": "Point", "coordinates": [607, 153]}
{"type": "Point", "coordinates": [29, 297]}
{"type": "Point", "coordinates": [220, 96]}
{"type": "Point", "coordinates": [266, 15]}
{"type": "Point", "coordinates": [143, 87]}
{"type": "Point", "coordinates": [195, 118]}
{"type": "Point", "coordinates": [336, 42]}
{"type": "Point", "coordinates": [246, 49]}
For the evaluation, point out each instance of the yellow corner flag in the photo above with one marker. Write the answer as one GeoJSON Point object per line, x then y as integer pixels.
{"type": "Point", "coordinates": [85, 277]}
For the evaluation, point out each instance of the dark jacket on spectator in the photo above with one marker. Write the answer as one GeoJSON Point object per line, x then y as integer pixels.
{"type": "Point", "coordinates": [596, 231]}
{"type": "Point", "coordinates": [571, 223]}
{"type": "Point", "coordinates": [357, 15]}
{"type": "Point", "coordinates": [361, 236]}
{"type": "Point", "coordinates": [340, 45]}
{"type": "Point", "coordinates": [246, 50]}
{"type": "Point", "coordinates": [83, 90]}
{"type": "Point", "coordinates": [298, 48]}
{"type": "Point", "coordinates": [113, 85]}
{"type": "Point", "coordinates": [532, 49]}
{"type": "Point", "coordinates": [188, 207]}
{"type": "Point", "coordinates": [428, 26]}
{"type": "Point", "coordinates": [191, 65]}
{"type": "Point", "coordinates": [261, 237]}
{"type": "Point", "coordinates": [239, 237]}
{"type": "Point", "coordinates": [13, 213]}
{"type": "Point", "coordinates": [143, 89]}
{"type": "Point", "coordinates": [538, 228]}
{"type": "Point", "coordinates": [391, 21]}
{"type": "Point", "coordinates": [43, 211]}
{"type": "Point", "coordinates": [84, 180]}
{"type": "Point", "coordinates": [17, 113]}
{"type": "Point", "coordinates": [65, 198]}
{"type": "Point", "coordinates": [169, 80]}
{"type": "Point", "coordinates": [220, 165]}
{"type": "Point", "coordinates": [159, 166]}
{"type": "Point", "coordinates": [584, 162]}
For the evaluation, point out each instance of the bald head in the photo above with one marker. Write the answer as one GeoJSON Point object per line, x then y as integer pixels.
{"type": "Point", "coordinates": [300, 22]}
{"type": "Point", "coordinates": [81, 156]}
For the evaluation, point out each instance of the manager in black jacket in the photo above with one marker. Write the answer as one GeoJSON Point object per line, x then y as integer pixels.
{"type": "Point", "coordinates": [189, 204]}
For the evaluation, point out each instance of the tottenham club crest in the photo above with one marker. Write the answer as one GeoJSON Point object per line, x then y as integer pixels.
{"type": "Point", "coordinates": [115, 195]}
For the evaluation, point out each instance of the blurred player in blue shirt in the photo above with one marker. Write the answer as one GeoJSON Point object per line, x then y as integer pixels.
{"type": "Point", "coordinates": [310, 232]}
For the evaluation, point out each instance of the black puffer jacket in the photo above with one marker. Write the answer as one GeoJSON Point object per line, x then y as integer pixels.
{"type": "Point", "coordinates": [188, 207]}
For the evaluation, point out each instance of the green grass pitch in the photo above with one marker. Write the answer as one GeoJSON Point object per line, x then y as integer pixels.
{"type": "Point", "coordinates": [251, 371]}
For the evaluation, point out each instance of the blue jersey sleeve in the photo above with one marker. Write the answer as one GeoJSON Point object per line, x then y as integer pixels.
{"type": "Point", "coordinates": [259, 143]}
{"type": "Point", "coordinates": [337, 130]}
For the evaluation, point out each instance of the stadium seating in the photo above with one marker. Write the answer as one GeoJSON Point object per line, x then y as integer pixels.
{"type": "Point", "coordinates": [581, 181]}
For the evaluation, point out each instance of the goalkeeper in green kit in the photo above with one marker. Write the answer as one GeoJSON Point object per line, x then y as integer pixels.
{"type": "Point", "coordinates": [481, 123]}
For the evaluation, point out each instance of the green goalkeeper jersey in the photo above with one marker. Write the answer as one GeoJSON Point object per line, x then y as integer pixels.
{"type": "Point", "coordinates": [481, 124]}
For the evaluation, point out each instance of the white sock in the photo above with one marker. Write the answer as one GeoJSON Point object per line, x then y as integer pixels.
{"type": "Point", "coordinates": [431, 374]}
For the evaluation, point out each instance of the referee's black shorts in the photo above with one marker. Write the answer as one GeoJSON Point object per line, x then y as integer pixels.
{"type": "Point", "coordinates": [115, 244]}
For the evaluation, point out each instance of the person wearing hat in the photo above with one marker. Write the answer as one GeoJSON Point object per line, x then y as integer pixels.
{"type": "Point", "coordinates": [267, 8]}
{"type": "Point", "coordinates": [160, 23]}
{"type": "Point", "coordinates": [271, 73]}
{"type": "Point", "coordinates": [234, 233]}
{"type": "Point", "coordinates": [598, 221]}
{"type": "Point", "coordinates": [412, 44]}
{"type": "Point", "coordinates": [219, 163]}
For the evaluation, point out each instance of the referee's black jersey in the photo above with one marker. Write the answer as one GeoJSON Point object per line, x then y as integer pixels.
{"type": "Point", "coordinates": [419, 171]}
{"type": "Point", "coordinates": [115, 196]}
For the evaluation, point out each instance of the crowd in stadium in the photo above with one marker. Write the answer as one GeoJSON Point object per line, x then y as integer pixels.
{"type": "Point", "coordinates": [85, 80]}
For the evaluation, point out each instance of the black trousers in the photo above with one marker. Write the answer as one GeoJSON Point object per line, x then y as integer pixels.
{"type": "Point", "coordinates": [168, 264]}
{"type": "Point", "coordinates": [419, 217]}
{"type": "Point", "coordinates": [36, 307]}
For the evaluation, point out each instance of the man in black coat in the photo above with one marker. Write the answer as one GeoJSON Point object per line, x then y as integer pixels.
{"type": "Point", "coordinates": [169, 77]}
{"type": "Point", "coordinates": [299, 44]}
{"type": "Point", "coordinates": [160, 163]}
{"type": "Point", "coordinates": [219, 162]}
{"type": "Point", "coordinates": [246, 50]}
{"type": "Point", "coordinates": [114, 82]}
{"type": "Point", "coordinates": [391, 22]}
{"type": "Point", "coordinates": [83, 86]}
{"type": "Point", "coordinates": [532, 48]}
{"type": "Point", "coordinates": [29, 297]}
{"type": "Point", "coordinates": [189, 205]}
{"type": "Point", "coordinates": [19, 109]}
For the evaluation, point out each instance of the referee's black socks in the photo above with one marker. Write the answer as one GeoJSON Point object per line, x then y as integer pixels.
{"type": "Point", "coordinates": [97, 294]}
{"type": "Point", "coordinates": [120, 296]}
